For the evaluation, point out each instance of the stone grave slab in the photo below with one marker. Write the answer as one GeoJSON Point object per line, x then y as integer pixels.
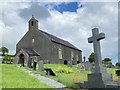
{"type": "Point", "coordinates": [40, 66]}
{"type": "Point", "coordinates": [49, 72]}
{"type": "Point", "coordinates": [69, 63]}
{"type": "Point", "coordinates": [87, 65]}
{"type": "Point", "coordinates": [80, 67]}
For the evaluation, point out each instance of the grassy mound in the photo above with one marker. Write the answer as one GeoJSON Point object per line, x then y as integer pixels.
{"type": "Point", "coordinates": [12, 77]}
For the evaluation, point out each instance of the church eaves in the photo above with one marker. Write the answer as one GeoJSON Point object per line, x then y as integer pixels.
{"type": "Point", "coordinates": [59, 41]}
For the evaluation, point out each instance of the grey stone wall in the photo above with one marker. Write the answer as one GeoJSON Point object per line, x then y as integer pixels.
{"type": "Point", "coordinates": [41, 44]}
{"type": "Point", "coordinates": [66, 54]}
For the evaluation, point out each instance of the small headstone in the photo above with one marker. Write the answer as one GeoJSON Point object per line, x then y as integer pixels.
{"type": "Point", "coordinates": [84, 58]}
{"type": "Point", "coordinates": [69, 63]}
{"type": "Point", "coordinates": [16, 60]}
{"type": "Point", "coordinates": [87, 65]}
{"type": "Point", "coordinates": [40, 65]}
{"type": "Point", "coordinates": [65, 62]}
{"type": "Point", "coordinates": [78, 62]}
{"type": "Point", "coordinates": [80, 67]}
{"type": "Point", "coordinates": [49, 72]}
{"type": "Point", "coordinates": [30, 62]}
{"type": "Point", "coordinates": [34, 65]}
{"type": "Point", "coordinates": [118, 72]}
{"type": "Point", "coordinates": [110, 65]}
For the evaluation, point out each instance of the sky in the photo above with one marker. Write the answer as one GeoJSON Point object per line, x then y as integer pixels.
{"type": "Point", "coordinates": [71, 21]}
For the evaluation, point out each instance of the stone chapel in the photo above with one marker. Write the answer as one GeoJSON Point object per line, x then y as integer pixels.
{"type": "Point", "coordinates": [38, 45]}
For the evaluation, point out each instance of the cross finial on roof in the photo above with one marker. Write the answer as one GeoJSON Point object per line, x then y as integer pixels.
{"type": "Point", "coordinates": [32, 15]}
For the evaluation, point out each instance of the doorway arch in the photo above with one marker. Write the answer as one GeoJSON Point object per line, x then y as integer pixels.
{"type": "Point", "coordinates": [22, 59]}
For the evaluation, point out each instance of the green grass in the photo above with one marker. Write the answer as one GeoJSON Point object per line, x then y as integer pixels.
{"type": "Point", "coordinates": [13, 77]}
{"type": "Point", "coordinates": [71, 78]}
{"type": "Point", "coordinates": [68, 79]}
{"type": "Point", "coordinates": [112, 71]}
{"type": "Point", "coordinates": [0, 75]}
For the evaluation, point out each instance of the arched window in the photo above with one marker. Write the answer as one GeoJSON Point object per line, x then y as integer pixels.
{"type": "Point", "coordinates": [60, 53]}
{"type": "Point", "coordinates": [33, 41]}
{"type": "Point", "coordinates": [77, 57]}
{"type": "Point", "coordinates": [72, 55]}
{"type": "Point", "coordinates": [32, 23]}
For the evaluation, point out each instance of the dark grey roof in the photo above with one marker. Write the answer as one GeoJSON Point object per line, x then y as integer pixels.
{"type": "Point", "coordinates": [59, 41]}
{"type": "Point", "coordinates": [30, 51]}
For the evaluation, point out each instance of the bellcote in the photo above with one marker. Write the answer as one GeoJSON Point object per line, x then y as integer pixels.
{"type": "Point", "coordinates": [33, 24]}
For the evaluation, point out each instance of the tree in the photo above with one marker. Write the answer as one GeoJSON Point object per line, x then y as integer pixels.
{"type": "Point", "coordinates": [4, 50]}
{"type": "Point", "coordinates": [6, 57]}
{"type": "Point", "coordinates": [106, 60]}
{"type": "Point", "coordinates": [117, 64]}
{"type": "Point", "coordinates": [91, 57]}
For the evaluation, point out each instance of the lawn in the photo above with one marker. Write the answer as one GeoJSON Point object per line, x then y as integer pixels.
{"type": "Point", "coordinates": [13, 77]}
{"type": "Point", "coordinates": [0, 76]}
{"type": "Point", "coordinates": [69, 79]}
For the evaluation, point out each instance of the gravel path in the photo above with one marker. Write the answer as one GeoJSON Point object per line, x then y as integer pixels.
{"type": "Point", "coordinates": [45, 80]}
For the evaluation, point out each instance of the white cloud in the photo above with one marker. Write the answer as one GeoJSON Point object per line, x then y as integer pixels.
{"type": "Point", "coordinates": [74, 27]}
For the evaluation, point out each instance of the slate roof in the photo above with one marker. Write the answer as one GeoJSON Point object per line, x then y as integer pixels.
{"type": "Point", "coordinates": [30, 51]}
{"type": "Point", "coordinates": [59, 41]}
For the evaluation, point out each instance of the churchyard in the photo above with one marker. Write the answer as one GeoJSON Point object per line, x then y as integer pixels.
{"type": "Point", "coordinates": [83, 75]}
{"type": "Point", "coordinates": [71, 77]}
{"type": "Point", "coordinates": [19, 79]}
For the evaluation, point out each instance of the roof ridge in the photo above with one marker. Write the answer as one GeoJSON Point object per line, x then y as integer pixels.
{"type": "Point", "coordinates": [59, 40]}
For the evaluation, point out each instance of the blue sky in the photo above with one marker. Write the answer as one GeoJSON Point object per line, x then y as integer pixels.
{"type": "Point", "coordinates": [65, 6]}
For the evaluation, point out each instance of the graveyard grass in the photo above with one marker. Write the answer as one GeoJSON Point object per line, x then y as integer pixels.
{"type": "Point", "coordinates": [69, 79]}
{"type": "Point", "coordinates": [12, 77]}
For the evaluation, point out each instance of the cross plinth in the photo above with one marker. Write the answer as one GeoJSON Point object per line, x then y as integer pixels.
{"type": "Point", "coordinates": [95, 39]}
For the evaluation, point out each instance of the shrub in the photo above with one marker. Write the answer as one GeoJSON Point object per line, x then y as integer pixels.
{"type": "Point", "coordinates": [118, 64]}
{"type": "Point", "coordinates": [64, 70]}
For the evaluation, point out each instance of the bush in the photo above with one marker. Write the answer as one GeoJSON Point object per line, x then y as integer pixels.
{"type": "Point", "coordinates": [6, 58]}
{"type": "Point", "coordinates": [64, 70]}
{"type": "Point", "coordinates": [118, 64]}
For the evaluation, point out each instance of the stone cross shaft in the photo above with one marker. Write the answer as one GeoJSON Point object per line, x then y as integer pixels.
{"type": "Point", "coordinates": [95, 39]}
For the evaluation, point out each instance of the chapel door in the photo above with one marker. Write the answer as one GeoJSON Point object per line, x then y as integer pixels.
{"type": "Point", "coordinates": [22, 59]}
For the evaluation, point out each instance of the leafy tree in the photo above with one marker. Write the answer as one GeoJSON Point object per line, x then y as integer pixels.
{"type": "Point", "coordinates": [91, 57]}
{"type": "Point", "coordinates": [106, 60]}
{"type": "Point", "coordinates": [6, 57]}
{"type": "Point", "coordinates": [117, 64]}
{"type": "Point", "coordinates": [4, 50]}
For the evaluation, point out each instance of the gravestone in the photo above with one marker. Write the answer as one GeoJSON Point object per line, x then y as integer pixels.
{"type": "Point", "coordinates": [78, 62]}
{"type": "Point", "coordinates": [65, 62]}
{"type": "Point", "coordinates": [69, 63]}
{"type": "Point", "coordinates": [118, 72]}
{"type": "Point", "coordinates": [110, 65]}
{"type": "Point", "coordinates": [30, 62]}
{"type": "Point", "coordinates": [16, 60]}
{"type": "Point", "coordinates": [40, 66]}
{"type": "Point", "coordinates": [84, 58]}
{"type": "Point", "coordinates": [49, 72]}
{"type": "Point", "coordinates": [80, 67]}
{"type": "Point", "coordinates": [88, 65]}
{"type": "Point", "coordinates": [99, 78]}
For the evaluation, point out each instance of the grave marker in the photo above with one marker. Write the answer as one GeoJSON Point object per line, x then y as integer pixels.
{"type": "Point", "coordinates": [80, 67]}
{"type": "Point", "coordinates": [99, 78]}
{"type": "Point", "coordinates": [40, 66]}
{"type": "Point", "coordinates": [69, 63]}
